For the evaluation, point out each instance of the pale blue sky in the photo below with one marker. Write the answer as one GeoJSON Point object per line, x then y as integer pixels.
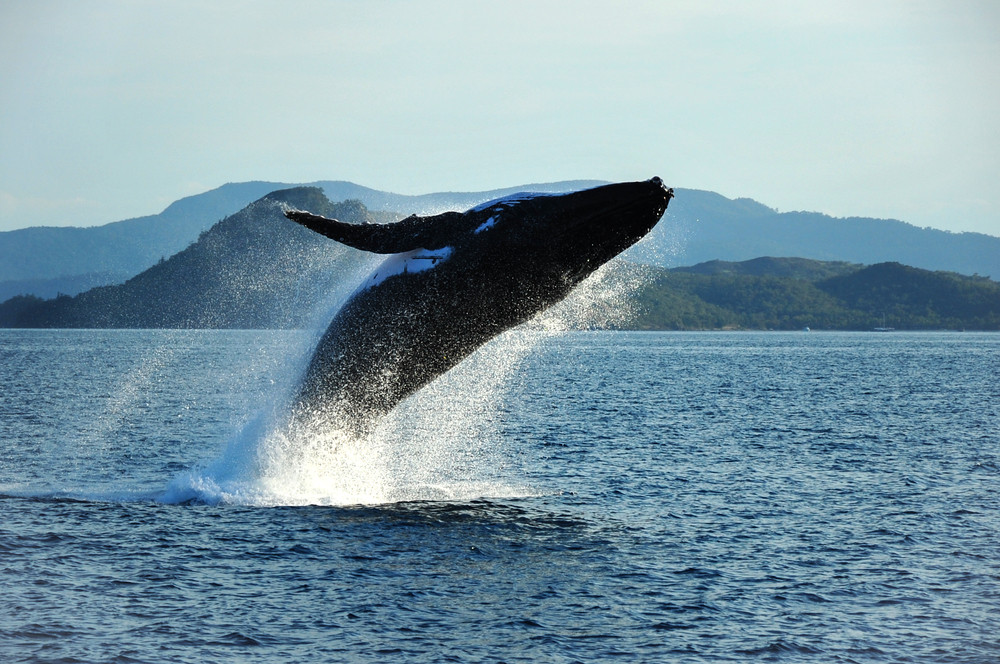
{"type": "Point", "coordinates": [113, 109]}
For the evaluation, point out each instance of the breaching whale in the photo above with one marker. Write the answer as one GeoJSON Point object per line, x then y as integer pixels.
{"type": "Point", "coordinates": [456, 280]}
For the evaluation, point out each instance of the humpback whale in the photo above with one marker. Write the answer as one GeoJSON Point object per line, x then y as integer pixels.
{"type": "Point", "coordinates": [453, 281]}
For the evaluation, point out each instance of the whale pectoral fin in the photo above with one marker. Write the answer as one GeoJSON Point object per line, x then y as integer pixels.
{"type": "Point", "coordinates": [410, 233]}
{"type": "Point", "coordinates": [364, 237]}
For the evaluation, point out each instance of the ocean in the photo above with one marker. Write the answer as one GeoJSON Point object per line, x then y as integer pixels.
{"type": "Point", "coordinates": [559, 497]}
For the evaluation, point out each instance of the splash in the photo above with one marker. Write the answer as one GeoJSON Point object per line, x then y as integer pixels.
{"type": "Point", "coordinates": [443, 443]}
{"type": "Point", "coordinates": [605, 300]}
{"type": "Point", "coordinates": [446, 442]}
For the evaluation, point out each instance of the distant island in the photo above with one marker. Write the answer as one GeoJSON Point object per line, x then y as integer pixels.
{"type": "Point", "coordinates": [796, 293]}
{"type": "Point", "coordinates": [256, 269]}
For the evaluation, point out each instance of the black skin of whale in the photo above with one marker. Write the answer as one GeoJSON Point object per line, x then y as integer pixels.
{"type": "Point", "coordinates": [472, 276]}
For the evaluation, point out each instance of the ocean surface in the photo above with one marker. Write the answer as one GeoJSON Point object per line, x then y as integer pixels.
{"type": "Point", "coordinates": [560, 497]}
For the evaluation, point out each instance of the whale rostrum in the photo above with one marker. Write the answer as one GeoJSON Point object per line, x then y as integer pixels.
{"type": "Point", "coordinates": [453, 281]}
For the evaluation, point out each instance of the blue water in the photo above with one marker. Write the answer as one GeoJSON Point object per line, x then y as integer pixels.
{"type": "Point", "coordinates": [600, 496]}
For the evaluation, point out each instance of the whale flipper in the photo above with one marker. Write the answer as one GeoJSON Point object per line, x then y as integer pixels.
{"type": "Point", "coordinates": [405, 235]}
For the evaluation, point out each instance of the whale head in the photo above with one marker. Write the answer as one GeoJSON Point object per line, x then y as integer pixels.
{"type": "Point", "coordinates": [569, 236]}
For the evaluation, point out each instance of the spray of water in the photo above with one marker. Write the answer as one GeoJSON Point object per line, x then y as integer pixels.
{"type": "Point", "coordinates": [443, 443]}
{"type": "Point", "coordinates": [446, 442]}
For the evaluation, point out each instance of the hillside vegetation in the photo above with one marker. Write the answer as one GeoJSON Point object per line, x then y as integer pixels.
{"type": "Point", "coordinates": [790, 294]}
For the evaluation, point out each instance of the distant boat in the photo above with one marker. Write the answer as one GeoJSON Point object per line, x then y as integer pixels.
{"type": "Point", "coordinates": [883, 328]}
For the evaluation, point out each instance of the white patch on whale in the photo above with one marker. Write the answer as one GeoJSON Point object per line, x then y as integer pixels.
{"type": "Point", "coordinates": [486, 225]}
{"type": "Point", "coordinates": [408, 262]}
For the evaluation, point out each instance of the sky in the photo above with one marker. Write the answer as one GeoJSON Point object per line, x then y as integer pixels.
{"type": "Point", "coordinates": [111, 109]}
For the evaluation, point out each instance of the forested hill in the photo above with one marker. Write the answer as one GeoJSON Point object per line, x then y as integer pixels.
{"type": "Point", "coordinates": [254, 269]}
{"type": "Point", "coordinates": [792, 294]}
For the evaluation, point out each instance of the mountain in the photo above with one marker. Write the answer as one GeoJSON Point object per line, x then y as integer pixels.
{"type": "Point", "coordinates": [919, 298]}
{"type": "Point", "coordinates": [702, 226]}
{"type": "Point", "coordinates": [49, 288]}
{"type": "Point", "coordinates": [121, 249]}
{"type": "Point", "coordinates": [791, 294]}
{"type": "Point", "coordinates": [253, 269]}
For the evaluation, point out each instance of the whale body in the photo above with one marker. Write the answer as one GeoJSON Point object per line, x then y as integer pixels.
{"type": "Point", "coordinates": [454, 281]}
